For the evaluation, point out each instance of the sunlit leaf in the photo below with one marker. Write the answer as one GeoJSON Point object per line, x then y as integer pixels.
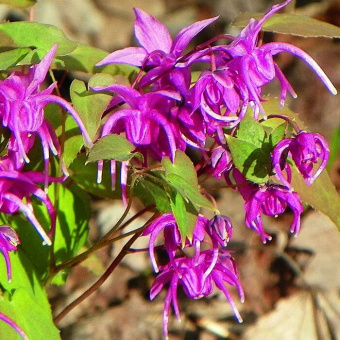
{"type": "Point", "coordinates": [250, 160]}
{"type": "Point", "coordinates": [185, 196]}
{"type": "Point", "coordinates": [25, 301]}
{"type": "Point", "coordinates": [321, 195]}
{"type": "Point", "coordinates": [74, 213]}
{"type": "Point", "coordinates": [185, 214]}
{"type": "Point", "coordinates": [35, 35]}
{"type": "Point", "coordinates": [252, 132]}
{"type": "Point", "coordinates": [13, 57]}
{"type": "Point", "coordinates": [89, 105]}
{"type": "Point", "coordinates": [112, 147]}
{"type": "Point", "coordinates": [182, 167]}
{"type": "Point", "coordinates": [189, 192]}
{"type": "Point", "coordinates": [84, 58]}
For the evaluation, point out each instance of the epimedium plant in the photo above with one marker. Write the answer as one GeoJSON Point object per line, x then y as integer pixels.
{"type": "Point", "coordinates": [129, 142]}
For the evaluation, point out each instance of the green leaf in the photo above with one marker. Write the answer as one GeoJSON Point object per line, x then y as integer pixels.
{"type": "Point", "coordinates": [321, 195]}
{"type": "Point", "coordinates": [31, 315]}
{"type": "Point", "coordinates": [84, 59]}
{"type": "Point", "coordinates": [71, 230]}
{"type": "Point", "coordinates": [185, 197]}
{"type": "Point", "coordinates": [151, 190]}
{"type": "Point", "coordinates": [72, 138]}
{"type": "Point", "coordinates": [278, 134]}
{"type": "Point", "coordinates": [19, 4]}
{"type": "Point", "coordinates": [185, 214]}
{"type": "Point", "coordinates": [74, 211]}
{"type": "Point", "coordinates": [85, 175]}
{"type": "Point", "coordinates": [25, 301]}
{"type": "Point", "coordinates": [34, 57]}
{"type": "Point", "coordinates": [183, 177]}
{"type": "Point", "coordinates": [89, 105]}
{"type": "Point", "coordinates": [189, 192]}
{"type": "Point", "coordinates": [182, 167]}
{"type": "Point", "coordinates": [35, 35]}
{"type": "Point", "coordinates": [334, 147]}
{"type": "Point", "coordinates": [13, 57]}
{"type": "Point", "coordinates": [114, 147]}
{"type": "Point", "coordinates": [251, 160]}
{"type": "Point", "coordinates": [252, 132]}
{"type": "Point", "coordinates": [292, 24]}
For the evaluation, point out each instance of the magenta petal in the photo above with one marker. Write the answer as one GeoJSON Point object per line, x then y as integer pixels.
{"type": "Point", "coordinates": [9, 241]}
{"type": "Point", "coordinates": [129, 94]}
{"type": "Point", "coordinates": [44, 100]}
{"type": "Point", "coordinates": [187, 34]}
{"type": "Point", "coordinates": [278, 47]}
{"type": "Point", "coordinates": [6, 319]}
{"type": "Point", "coordinates": [278, 151]}
{"type": "Point", "coordinates": [151, 33]}
{"type": "Point", "coordinates": [30, 216]}
{"type": "Point", "coordinates": [41, 70]}
{"type": "Point", "coordinates": [129, 55]}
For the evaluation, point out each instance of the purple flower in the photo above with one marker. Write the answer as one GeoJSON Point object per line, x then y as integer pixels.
{"type": "Point", "coordinates": [255, 65]}
{"type": "Point", "coordinates": [146, 118]}
{"type": "Point", "coordinates": [17, 187]}
{"type": "Point", "coordinates": [22, 109]}
{"type": "Point", "coordinates": [9, 241]}
{"type": "Point", "coordinates": [157, 44]}
{"type": "Point", "coordinates": [306, 149]}
{"type": "Point", "coordinates": [221, 162]}
{"type": "Point", "coordinates": [190, 125]}
{"type": "Point", "coordinates": [190, 274]}
{"type": "Point", "coordinates": [271, 200]}
{"type": "Point", "coordinates": [172, 237]}
{"type": "Point", "coordinates": [10, 322]}
{"type": "Point", "coordinates": [159, 53]}
{"type": "Point", "coordinates": [220, 229]}
{"type": "Point", "coordinates": [215, 94]}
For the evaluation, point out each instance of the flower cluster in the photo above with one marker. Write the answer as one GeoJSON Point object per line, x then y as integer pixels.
{"type": "Point", "coordinates": [165, 110]}
{"type": "Point", "coordinates": [197, 274]}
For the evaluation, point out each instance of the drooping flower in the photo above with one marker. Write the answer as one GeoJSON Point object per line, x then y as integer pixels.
{"type": "Point", "coordinates": [309, 152]}
{"type": "Point", "coordinates": [271, 200]}
{"type": "Point", "coordinates": [11, 323]}
{"type": "Point", "coordinates": [190, 274]}
{"type": "Point", "coordinates": [254, 65]}
{"type": "Point", "coordinates": [215, 94]}
{"type": "Point", "coordinates": [190, 125]}
{"type": "Point", "coordinates": [221, 162]}
{"type": "Point", "coordinates": [172, 238]}
{"type": "Point", "coordinates": [17, 187]}
{"type": "Point", "coordinates": [220, 229]}
{"type": "Point", "coordinates": [9, 241]}
{"type": "Point", "coordinates": [22, 109]}
{"type": "Point", "coordinates": [145, 120]}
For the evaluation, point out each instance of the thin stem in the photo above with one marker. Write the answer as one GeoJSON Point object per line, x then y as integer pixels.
{"type": "Point", "coordinates": [83, 256]}
{"type": "Point", "coordinates": [101, 280]}
{"type": "Point", "coordinates": [106, 240]}
{"type": "Point", "coordinates": [122, 236]}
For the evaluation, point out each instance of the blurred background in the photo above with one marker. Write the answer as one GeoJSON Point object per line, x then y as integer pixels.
{"type": "Point", "coordinates": [291, 284]}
